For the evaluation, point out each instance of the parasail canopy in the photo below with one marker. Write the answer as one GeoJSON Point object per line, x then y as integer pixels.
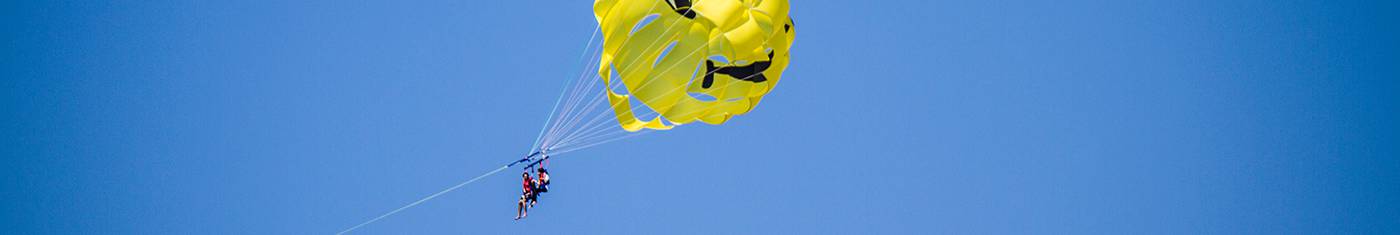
{"type": "Point", "coordinates": [705, 60]}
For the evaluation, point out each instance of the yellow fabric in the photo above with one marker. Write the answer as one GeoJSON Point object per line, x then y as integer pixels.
{"type": "Point", "coordinates": [741, 32]}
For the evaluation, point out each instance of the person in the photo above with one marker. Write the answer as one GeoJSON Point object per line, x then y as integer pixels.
{"type": "Point", "coordinates": [526, 195]}
{"type": "Point", "coordinates": [543, 184]}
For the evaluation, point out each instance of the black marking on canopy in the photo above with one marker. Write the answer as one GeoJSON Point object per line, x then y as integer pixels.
{"type": "Point", "coordinates": [752, 72]}
{"type": "Point", "coordinates": [681, 7]}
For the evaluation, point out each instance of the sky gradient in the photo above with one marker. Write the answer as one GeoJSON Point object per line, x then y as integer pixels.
{"type": "Point", "coordinates": [903, 117]}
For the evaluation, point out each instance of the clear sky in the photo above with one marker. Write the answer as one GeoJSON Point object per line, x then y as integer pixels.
{"type": "Point", "coordinates": [308, 117]}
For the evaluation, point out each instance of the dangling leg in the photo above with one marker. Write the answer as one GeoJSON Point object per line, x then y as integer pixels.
{"type": "Point", "coordinates": [520, 208]}
{"type": "Point", "coordinates": [534, 198]}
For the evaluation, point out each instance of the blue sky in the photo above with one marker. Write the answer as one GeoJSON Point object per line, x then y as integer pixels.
{"type": "Point", "coordinates": [308, 117]}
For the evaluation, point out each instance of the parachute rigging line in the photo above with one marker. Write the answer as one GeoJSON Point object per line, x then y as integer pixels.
{"type": "Point", "coordinates": [596, 30]}
{"type": "Point", "coordinates": [574, 95]}
{"type": "Point", "coordinates": [601, 133]}
{"type": "Point", "coordinates": [597, 125]}
{"type": "Point", "coordinates": [566, 149]}
{"type": "Point", "coordinates": [429, 197]}
{"type": "Point", "coordinates": [589, 129]}
{"type": "Point", "coordinates": [577, 94]}
{"type": "Point", "coordinates": [536, 157]}
{"type": "Point", "coordinates": [585, 54]}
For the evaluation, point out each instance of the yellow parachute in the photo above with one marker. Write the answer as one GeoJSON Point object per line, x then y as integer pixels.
{"type": "Point", "coordinates": [691, 60]}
